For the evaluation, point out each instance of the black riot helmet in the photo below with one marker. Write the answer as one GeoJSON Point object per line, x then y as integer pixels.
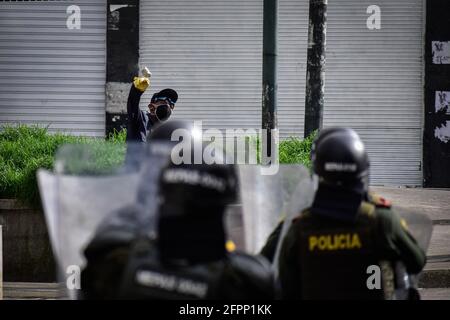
{"type": "Point", "coordinates": [193, 200]}
{"type": "Point", "coordinates": [326, 132]}
{"type": "Point", "coordinates": [163, 131]}
{"type": "Point", "coordinates": [340, 159]}
{"type": "Point", "coordinates": [164, 136]}
{"type": "Point", "coordinates": [159, 151]}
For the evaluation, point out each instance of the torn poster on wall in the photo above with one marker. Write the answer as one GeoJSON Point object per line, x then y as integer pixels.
{"type": "Point", "coordinates": [442, 113]}
{"type": "Point", "coordinates": [443, 132]}
{"type": "Point", "coordinates": [441, 52]}
{"type": "Point", "coordinates": [442, 101]}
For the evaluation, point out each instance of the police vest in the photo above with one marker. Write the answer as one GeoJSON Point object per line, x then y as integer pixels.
{"type": "Point", "coordinates": [340, 260]}
{"type": "Point", "coordinates": [238, 276]}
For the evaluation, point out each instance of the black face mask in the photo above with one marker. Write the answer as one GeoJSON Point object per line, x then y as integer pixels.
{"type": "Point", "coordinates": [163, 112]}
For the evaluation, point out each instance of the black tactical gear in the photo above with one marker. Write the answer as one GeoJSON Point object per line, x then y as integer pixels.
{"type": "Point", "coordinates": [187, 257]}
{"type": "Point", "coordinates": [326, 258]}
{"type": "Point", "coordinates": [234, 276]}
{"type": "Point", "coordinates": [193, 201]}
{"type": "Point", "coordinates": [329, 247]}
{"type": "Point", "coordinates": [189, 260]}
{"type": "Point", "coordinates": [163, 131]}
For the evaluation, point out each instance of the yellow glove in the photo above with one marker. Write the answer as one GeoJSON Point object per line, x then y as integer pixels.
{"type": "Point", "coordinates": [230, 246]}
{"type": "Point", "coordinates": [141, 83]}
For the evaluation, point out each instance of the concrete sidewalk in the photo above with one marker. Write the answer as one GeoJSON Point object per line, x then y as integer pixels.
{"type": "Point", "coordinates": [54, 291]}
{"type": "Point", "coordinates": [435, 203]}
{"type": "Point", "coordinates": [435, 280]}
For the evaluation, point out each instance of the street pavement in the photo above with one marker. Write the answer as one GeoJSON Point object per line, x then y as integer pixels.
{"type": "Point", "coordinates": [434, 282]}
{"type": "Point", "coordinates": [435, 203]}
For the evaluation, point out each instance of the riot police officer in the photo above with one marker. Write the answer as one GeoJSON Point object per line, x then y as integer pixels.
{"type": "Point", "coordinates": [270, 246]}
{"type": "Point", "coordinates": [329, 248]}
{"type": "Point", "coordinates": [109, 250]}
{"type": "Point", "coordinates": [188, 257]}
{"type": "Point", "coordinates": [191, 258]}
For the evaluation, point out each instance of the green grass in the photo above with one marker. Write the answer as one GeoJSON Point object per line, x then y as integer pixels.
{"type": "Point", "coordinates": [24, 149]}
{"type": "Point", "coordinates": [294, 150]}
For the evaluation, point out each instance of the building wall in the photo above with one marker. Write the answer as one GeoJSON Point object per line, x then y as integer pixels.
{"type": "Point", "coordinates": [437, 95]}
{"type": "Point", "coordinates": [374, 83]}
{"type": "Point", "coordinates": [122, 63]}
{"type": "Point", "coordinates": [210, 52]}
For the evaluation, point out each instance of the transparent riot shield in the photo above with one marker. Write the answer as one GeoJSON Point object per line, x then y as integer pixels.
{"type": "Point", "coordinates": [106, 191]}
{"type": "Point", "coordinates": [421, 228]}
{"type": "Point", "coordinates": [418, 224]}
{"type": "Point", "coordinates": [268, 199]}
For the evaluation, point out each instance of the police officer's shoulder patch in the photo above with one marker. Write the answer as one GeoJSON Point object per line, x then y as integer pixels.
{"type": "Point", "coordinates": [404, 224]}
{"type": "Point", "coordinates": [379, 201]}
{"type": "Point", "coordinates": [366, 209]}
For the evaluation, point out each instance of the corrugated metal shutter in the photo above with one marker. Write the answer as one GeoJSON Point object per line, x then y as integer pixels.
{"type": "Point", "coordinates": [50, 75]}
{"type": "Point", "coordinates": [374, 83]}
{"type": "Point", "coordinates": [292, 50]}
{"type": "Point", "coordinates": [211, 52]}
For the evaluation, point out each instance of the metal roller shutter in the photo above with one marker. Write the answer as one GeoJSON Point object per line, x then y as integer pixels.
{"type": "Point", "coordinates": [292, 50]}
{"type": "Point", "coordinates": [374, 83]}
{"type": "Point", "coordinates": [50, 75]}
{"type": "Point", "coordinates": [211, 52]}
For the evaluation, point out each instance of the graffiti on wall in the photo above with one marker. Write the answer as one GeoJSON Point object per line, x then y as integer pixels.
{"type": "Point", "coordinates": [442, 100]}
{"type": "Point", "coordinates": [441, 52]}
{"type": "Point", "coordinates": [442, 128]}
{"type": "Point", "coordinates": [443, 133]}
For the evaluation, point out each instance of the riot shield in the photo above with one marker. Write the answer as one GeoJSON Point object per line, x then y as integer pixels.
{"type": "Point", "coordinates": [418, 224]}
{"type": "Point", "coordinates": [268, 199]}
{"type": "Point", "coordinates": [101, 191]}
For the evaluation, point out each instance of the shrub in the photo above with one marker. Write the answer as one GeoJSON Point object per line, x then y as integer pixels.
{"type": "Point", "coordinates": [24, 149]}
{"type": "Point", "coordinates": [294, 150]}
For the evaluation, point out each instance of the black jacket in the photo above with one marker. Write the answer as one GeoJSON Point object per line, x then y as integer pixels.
{"type": "Point", "coordinates": [139, 123]}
